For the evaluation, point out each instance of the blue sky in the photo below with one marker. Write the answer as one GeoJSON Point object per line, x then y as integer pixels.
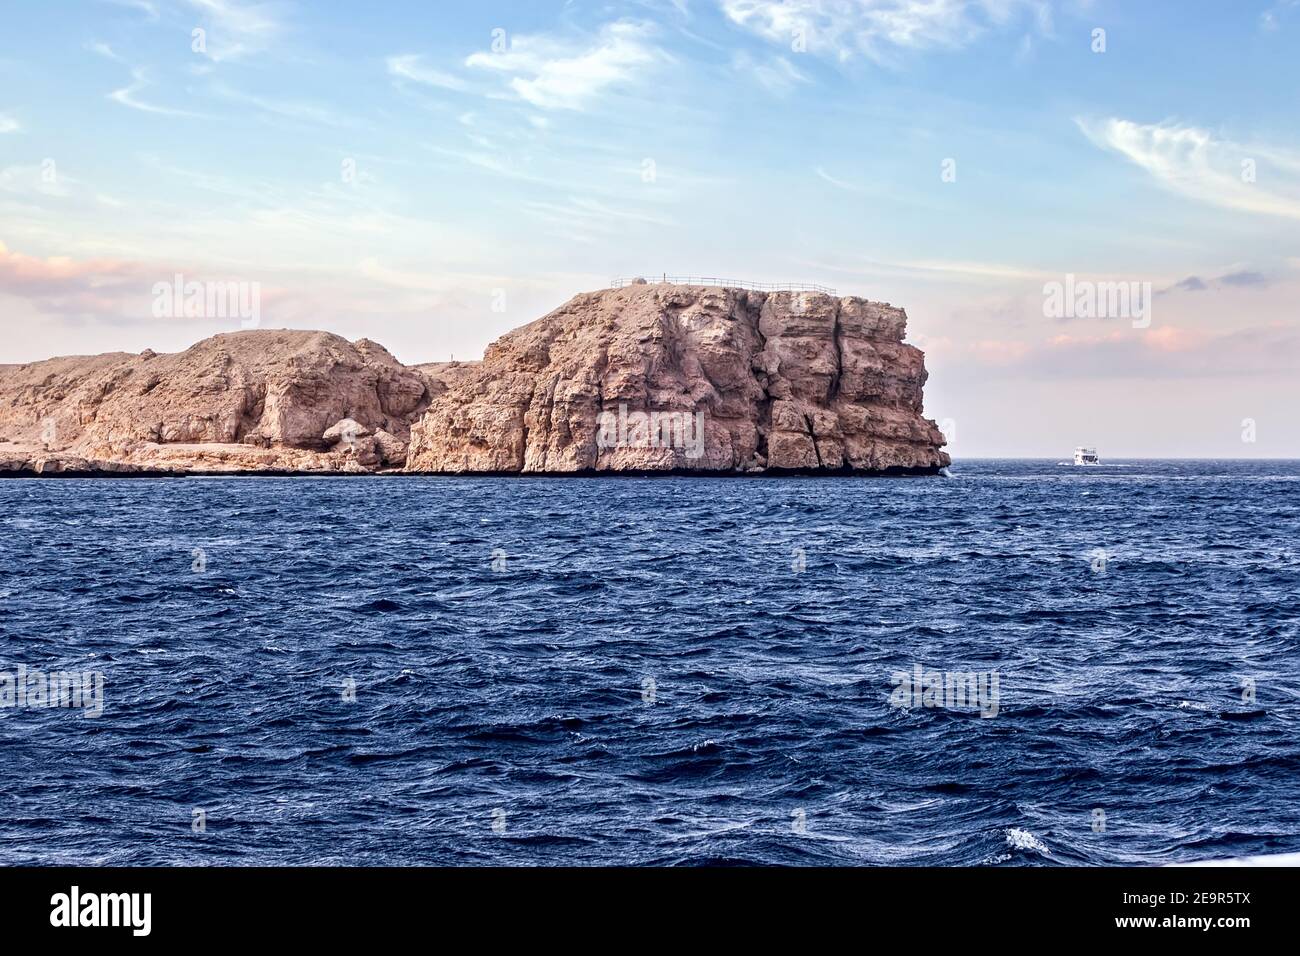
{"type": "Point", "coordinates": [396, 173]}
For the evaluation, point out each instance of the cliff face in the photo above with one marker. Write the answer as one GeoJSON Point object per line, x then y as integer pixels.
{"type": "Point", "coordinates": [646, 378]}
{"type": "Point", "coordinates": [663, 377]}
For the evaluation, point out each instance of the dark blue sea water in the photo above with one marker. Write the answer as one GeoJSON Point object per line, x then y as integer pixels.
{"type": "Point", "coordinates": [661, 671]}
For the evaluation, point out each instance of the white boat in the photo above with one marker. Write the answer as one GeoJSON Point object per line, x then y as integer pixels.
{"type": "Point", "coordinates": [1086, 456]}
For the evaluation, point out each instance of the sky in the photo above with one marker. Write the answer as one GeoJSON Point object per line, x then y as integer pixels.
{"type": "Point", "coordinates": [432, 175]}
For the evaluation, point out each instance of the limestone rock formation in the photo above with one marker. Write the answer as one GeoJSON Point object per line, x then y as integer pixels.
{"type": "Point", "coordinates": [648, 378]}
{"type": "Point", "coordinates": [657, 377]}
{"type": "Point", "coordinates": [241, 401]}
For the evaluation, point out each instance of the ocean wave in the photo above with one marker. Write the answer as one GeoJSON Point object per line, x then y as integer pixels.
{"type": "Point", "coordinates": [660, 673]}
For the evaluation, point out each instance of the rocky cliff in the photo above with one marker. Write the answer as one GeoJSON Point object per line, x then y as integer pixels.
{"type": "Point", "coordinates": [648, 378]}
{"type": "Point", "coordinates": [663, 377]}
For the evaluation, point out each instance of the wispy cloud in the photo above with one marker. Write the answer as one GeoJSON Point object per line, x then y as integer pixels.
{"type": "Point", "coordinates": [143, 6]}
{"type": "Point", "coordinates": [554, 73]}
{"type": "Point", "coordinates": [104, 50]}
{"type": "Point", "coordinates": [876, 28]}
{"type": "Point", "coordinates": [42, 180]}
{"type": "Point", "coordinates": [1271, 19]}
{"type": "Point", "coordinates": [836, 182]}
{"type": "Point", "coordinates": [8, 124]}
{"type": "Point", "coordinates": [934, 269]}
{"type": "Point", "coordinates": [126, 96]}
{"type": "Point", "coordinates": [236, 29]}
{"type": "Point", "coordinates": [491, 162]}
{"type": "Point", "coordinates": [591, 217]}
{"type": "Point", "coordinates": [776, 74]}
{"type": "Point", "coordinates": [410, 66]}
{"type": "Point", "coordinates": [286, 109]}
{"type": "Point", "coordinates": [1193, 163]}
{"type": "Point", "coordinates": [1241, 279]}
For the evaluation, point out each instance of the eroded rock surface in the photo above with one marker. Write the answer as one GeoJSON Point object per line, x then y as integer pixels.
{"type": "Point", "coordinates": [774, 381]}
{"type": "Point", "coordinates": [646, 378]}
{"type": "Point", "coordinates": [242, 401]}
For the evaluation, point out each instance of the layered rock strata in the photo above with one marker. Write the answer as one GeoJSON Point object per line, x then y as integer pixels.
{"type": "Point", "coordinates": [643, 379]}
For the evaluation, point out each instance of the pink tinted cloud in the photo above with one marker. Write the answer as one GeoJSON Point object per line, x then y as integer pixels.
{"type": "Point", "coordinates": [25, 276]}
{"type": "Point", "coordinates": [1268, 350]}
{"type": "Point", "coordinates": [1165, 338]}
{"type": "Point", "coordinates": [998, 351]}
{"type": "Point", "coordinates": [76, 290]}
{"type": "Point", "coordinates": [109, 289]}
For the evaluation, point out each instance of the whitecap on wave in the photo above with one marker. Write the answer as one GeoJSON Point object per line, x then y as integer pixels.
{"type": "Point", "coordinates": [1018, 839]}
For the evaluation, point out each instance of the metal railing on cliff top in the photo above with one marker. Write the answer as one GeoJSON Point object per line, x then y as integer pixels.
{"type": "Point", "coordinates": [725, 283]}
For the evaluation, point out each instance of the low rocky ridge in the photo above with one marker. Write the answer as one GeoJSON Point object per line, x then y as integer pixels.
{"type": "Point", "coordinates": [238, 402]}
{"type": "Point", "coordinates": [647, 378]}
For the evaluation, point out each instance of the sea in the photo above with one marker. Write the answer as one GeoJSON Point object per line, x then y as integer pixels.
{"type": "Point", "coordinates": [1020, 663]}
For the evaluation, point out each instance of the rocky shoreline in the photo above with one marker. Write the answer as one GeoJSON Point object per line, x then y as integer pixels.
{"type": "Point", "coordinates": [646, 380]}
{"type": "Point", "coordinates": [59, 469]}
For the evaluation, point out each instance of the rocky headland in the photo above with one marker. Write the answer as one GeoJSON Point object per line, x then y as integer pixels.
{"type": "Point", "coordinates": [649, 378]}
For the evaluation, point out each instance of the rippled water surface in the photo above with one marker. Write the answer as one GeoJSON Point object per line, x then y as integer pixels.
{"type": "Point", "coordinates": [657, 671]}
